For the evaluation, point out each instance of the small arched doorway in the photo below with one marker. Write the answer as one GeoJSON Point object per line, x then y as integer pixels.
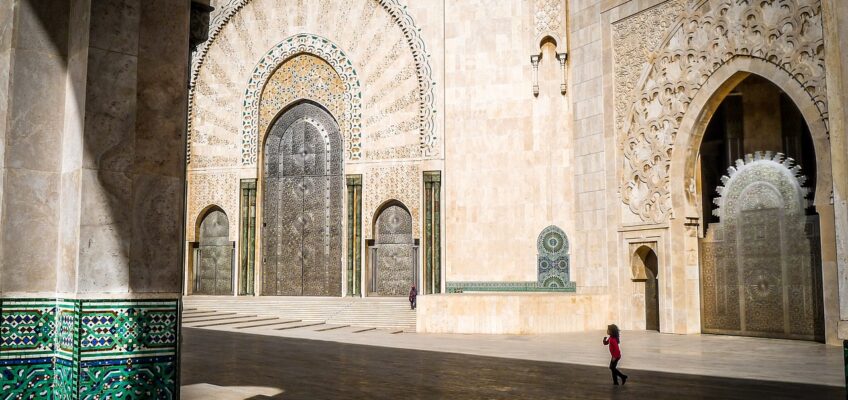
{"type": "Point", "coordinates": [214, 255]}
{"type": "Point", "coordinates": [394, 253]}
{"type": "Point", "coordinates": [646, 269]}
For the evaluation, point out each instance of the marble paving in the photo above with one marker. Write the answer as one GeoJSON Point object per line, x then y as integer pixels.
{"type": "Point", "coordinates": [217, 363]}
{"type": "Point", "coordinates": [708, 355]}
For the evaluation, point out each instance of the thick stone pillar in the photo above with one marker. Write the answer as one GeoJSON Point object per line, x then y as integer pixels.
{"type": "Point", "coordinates": [94, 150]}
{"type": "Point", "coordinates": [836, 39]}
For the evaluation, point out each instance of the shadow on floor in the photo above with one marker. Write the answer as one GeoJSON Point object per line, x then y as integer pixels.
{"type": "Point", "coordinates": [311, 369]}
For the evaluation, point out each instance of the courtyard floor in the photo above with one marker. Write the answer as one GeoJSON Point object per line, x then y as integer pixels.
{"type": "Point", "coordinates": [314, 362]}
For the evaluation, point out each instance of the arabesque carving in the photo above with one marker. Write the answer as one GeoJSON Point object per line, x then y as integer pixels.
{"type": "Point", "coordinates": [785, 33]}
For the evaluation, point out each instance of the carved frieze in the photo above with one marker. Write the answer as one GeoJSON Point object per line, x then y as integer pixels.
{"type": "Point", "coordinates": [787, 34]}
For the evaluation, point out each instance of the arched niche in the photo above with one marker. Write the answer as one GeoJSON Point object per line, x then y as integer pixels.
{"type": "Point", "coordinates": [394, 251]}
{"type": "Point", "coordinates": [213, 254]}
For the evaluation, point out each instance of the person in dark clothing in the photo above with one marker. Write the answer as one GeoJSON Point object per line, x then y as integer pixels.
{"type": "Point", "coordinates": [412, 295]}
{"type": "Point", "coordinates": [612, 340]}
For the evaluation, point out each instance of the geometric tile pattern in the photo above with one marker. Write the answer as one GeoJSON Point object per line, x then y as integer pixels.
{"type": "Point", "coordinates": [468, 287]}
{"type": "Point", "coordinates": [553, 259]}
{"type": "Point", "coordinates": [88, 349]}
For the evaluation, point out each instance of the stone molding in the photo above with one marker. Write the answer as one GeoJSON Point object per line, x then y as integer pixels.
{"type": "Point", "coordinates": [786, 34]}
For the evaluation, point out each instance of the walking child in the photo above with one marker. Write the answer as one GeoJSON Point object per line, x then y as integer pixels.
{"type": "Point", "coordinates": [612, 340]}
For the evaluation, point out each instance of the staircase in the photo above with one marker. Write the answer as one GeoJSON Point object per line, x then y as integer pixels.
{"type": "Point", "coordinates": [370, 312]}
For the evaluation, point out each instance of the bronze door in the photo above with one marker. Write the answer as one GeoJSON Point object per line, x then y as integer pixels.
{"type": "Point", "coordinates": [302, 199]}
{"type": "Point", "coordinates": [652, 302]}
{"type": "Point", "coordinates": [215, 256]}
{"type": "Point", "coordinates": [394, 264]}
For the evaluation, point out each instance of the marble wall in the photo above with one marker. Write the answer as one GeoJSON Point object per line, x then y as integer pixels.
{"type": "Point", "coordinates": [93, 103]}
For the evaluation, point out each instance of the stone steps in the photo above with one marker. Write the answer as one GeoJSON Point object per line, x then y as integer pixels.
{"type": "Point", "coordinates": [383, 313]}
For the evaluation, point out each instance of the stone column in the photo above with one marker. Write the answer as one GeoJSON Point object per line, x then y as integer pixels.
{"type": "Point", "coordinates": [836, 40]}
{"type": "Point", "coordinates": [94, 158]}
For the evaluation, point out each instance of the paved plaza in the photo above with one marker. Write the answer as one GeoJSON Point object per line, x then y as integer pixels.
{"type": "Point", "coordinates": [336, 362]}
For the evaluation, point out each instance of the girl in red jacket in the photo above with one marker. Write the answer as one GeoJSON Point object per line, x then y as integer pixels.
{"type": "Point", "coordinates": [613, 339]}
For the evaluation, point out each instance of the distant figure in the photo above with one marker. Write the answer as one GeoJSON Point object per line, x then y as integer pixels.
{"type": "Point", "coordinates": [412, 295]}
{"type": "Point", "coordinates": [613, 340]}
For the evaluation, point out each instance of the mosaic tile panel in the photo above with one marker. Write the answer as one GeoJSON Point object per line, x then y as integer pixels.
{"type": "Point", "coordinates": [26, 328]}
{"type": "Point", "coordinates": [553, 264]}
{"type": "Point", "coordinates": [461, 287]}
{"type": "Point", "coordinates": [29, 378]}
{"type": "Point", "coordinates": [88, 349]}
{"type": "Point", "coordinates": [133, 378]}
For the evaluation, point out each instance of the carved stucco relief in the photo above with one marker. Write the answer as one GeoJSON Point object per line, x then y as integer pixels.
{"type": "Point", "coordinates": [212, 188]}
{"type": "Point", "coordinates": [634, 39]}
{"type": "Point", "coordinates": [548, 17]}
{"type": "Point", "coordinates": [787, 34]}
{"type": "Point", "coordinates": [394, 182]}
{"type": "Point", "coordinates": [398, 111]}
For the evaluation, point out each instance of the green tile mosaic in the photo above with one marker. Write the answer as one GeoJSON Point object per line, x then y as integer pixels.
{"type": "Point", "coordinates": [463, 287]}
{"type": "Point", "coordinates": [26, 378]}
{"type": "Point", "coordinates": [88, 349]}
{"type": "Point", "coordinates": [26, 328]}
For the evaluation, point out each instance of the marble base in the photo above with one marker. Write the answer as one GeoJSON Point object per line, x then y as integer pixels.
{"type": "Point", "coordinates": [511, 313]}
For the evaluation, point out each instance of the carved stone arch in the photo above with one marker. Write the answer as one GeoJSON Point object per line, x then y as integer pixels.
{"type": "Point", "coordinates": [349, 121]}
{"type": "Point", "coordinates": [639, 261]}
{"type": "Point", "coordinates": [711, 35]}
{"type": "Point", "coordinates": [703, 105]}
{"type": "Point", "coordinates": [398, 12]}
{"type": "Point", "coordinates": [382, 207]}
{"type": "Point", "coordinates": [550, 37]}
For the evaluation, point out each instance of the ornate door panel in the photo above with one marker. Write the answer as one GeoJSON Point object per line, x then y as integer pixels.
{"type": "Point", "coordinates": [760, 264]}
{"type": "Point", "coordinates": [394, 264]}
{"type": "Point", "coordinates": [215, 256]}
{"type": "Point", "coordinates": [302, 199]}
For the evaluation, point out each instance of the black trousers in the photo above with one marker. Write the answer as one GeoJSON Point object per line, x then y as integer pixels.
{"type": "Point", "coordinates": [412, 302]}
{"type": "Point", "coordinates": [615, 372]}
